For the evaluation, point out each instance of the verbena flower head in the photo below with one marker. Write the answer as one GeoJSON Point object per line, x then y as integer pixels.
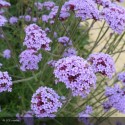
{"type": "Point", "coordinates": [102, 63]}
{"type": "Point", "coordinates": [86, 113]}
{"type": "Point", "coordinates": [83, 116]}
{"type": "Point", "coordinates": [7, 54]}
{"type": "Point", "coordinates": [45, 18]}
{"type": "Point", "coordinates": [116, 98]}
{"type": "Point", "coordinates": [77, 75]}
{"type": "Point", "coordinates": [121, 77]}
{"type": "Point", "coordinates": [36, 38]}
{"type": "Point", "coordinates": [85, 9]}
{"type": "Point", "coordinates": [65, 40]}
{"type": "Point", "coordinates": [45, 102]}
{"type": "Point", "coordinates": [27, 116]}
{"type": "Point", "coordinates": [38, 5]}
{"type": "Point", "coordinates": [34, 19]}
{"type": "Point", "coordinates": [5, 82]}
{"type": "Point", "coordinates": [27, 18]}
{"type": "Point", "coordinates": [104, 3]}
{"type": "Point", "coordinates": [4, 4]}
{"type": "Point", "coordinates": [49, 5]}
{"type": "Point", "coordinates": [3, 20]}
{"type": "Point", "coordinates": [53, 12]}
{"type": "Point", "coordinates": [114, 15]}
{"type": "Point", "coordinates": [70, 52]}
{"type": "Point", "coordinates": [64, 13]}
{"type": "Point", "coordinates": [13, 20]}
{"type": "Point", "coordinates": [29, 60]}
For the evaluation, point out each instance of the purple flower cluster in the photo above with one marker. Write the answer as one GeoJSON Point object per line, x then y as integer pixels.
{"type": "Point", "coordinates": [65, 40]}
{"type": "Point", "coordinates": [27, 117]}
{"type": "Point", "coordinates": [116, 98]}
{"type": "Point", "coordinates": [77, 75]}
{"type": "Point", "coordinates": [3, 20]}
{"type": "Point", "coordinates": [114, 15]}
{"type": "Point", "coordinates": [53, 12]}
{"type": "Point", "coordinates": [102, 63]}
{"type": "Point", "coordinates": [83, 8]}
{"type": "Point", "coordinates": [70, 52]}
{"type": "Point", "coordinates": [38, 5]}
{"type": "Point", "coordinates": [36, 38]}
{"type": "Point", "coordinates": [7, 54]}
{"type": "Point", "coordinates": [83, 116]}
{"type": "Point", "coordinates": [49, 5]}
{"type": "Point", "coordinates": [29, 60]}
{"type": "Point", "coordinates": [104, 3]}
{"type": "Point", "coordinates": [27, 18]}
{"type": "Point", "coordinates": [5, 82]}
{"type": "Point", "coordinates": [121, 77]}
{"type": "Point", "coordinates": [64, 13]}
{"type": "Point", "coordinates": [86, 112]}
{"type": "Point", "coordinates": [4, 4]}
{"type": "Point", "coordinates": [45, 102]}
{"type": "Point", "coordinates": [13, 20]}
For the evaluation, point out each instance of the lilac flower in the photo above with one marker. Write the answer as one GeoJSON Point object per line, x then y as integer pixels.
{"type": "Point", "coordinates": [107, 106]}
{"type": "Point", "coordinates": [49, 5]}
{"type": "Point", "coordinates": [70, 52]}
{"type": "Point", "coordinates": [38, 5]}
{"type": "Point", "coordinates": [4, 4]}
{"type": "Point", "coordinates": [83, 8]}
{"type": "Point", "coordinates": [45, 102]}
{"type": "Point", "coordinates": [102, 63]}
{"type": "Point", "coordinates": [77, 75]}
{"type": "Point", "coordinates": [47, 30]}
{"type": "Point", "coordinates": [21, 17]}
{"type": "Point", "coordinates": [7, 54]}
{"type": "Point", "coordinates": [65, 40]}
{"type": "Point", "coordinates": [3, 20]}
{"type": "Point", "coordinates": [13, 20]}
{"type": "Point", "coordinates": [114, 15]}
{"type": "Point", "coordinates": [29, 60]}
{"type": "Point", "coordinates": [45, 18]}
{"type": "Point", "coordinates": [5, 82]}
{"type": "Point", "coordinates": [27, 117]}
{"type": "Point", "coordinates": [121, 77]}
{"type": "Point", "coordinates": [51, 22]}
{"type": "Point", "coordinates": [64, 13]}
{"type": "Point", "coordinates": [55, 34]}
{"type": "Point", "coordinates": [104, 3]}
{"type": "Point", "coordinates": [36, 38]}
{"type": "Point", "coordinates": [86, 112]}
{"type": "Point", "coordinates": [53, 12]}
{"type": "Point", "coordinates": [27, 18]}
{"type": "Point", "coordinates": [83, 116]}
{"type": "Point", "coordinates": [116, 98]}
{"type": "Point", "coordinates": [34, 19]}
